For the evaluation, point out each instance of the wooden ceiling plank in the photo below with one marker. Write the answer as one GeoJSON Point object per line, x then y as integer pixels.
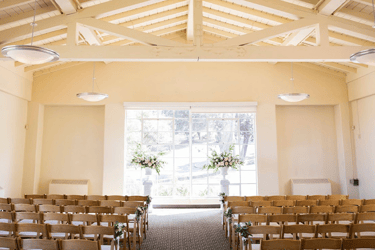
{"type": "Point", "coordinates": [340, 67]}
{"type": "Point", "coordinates": [9, 4]}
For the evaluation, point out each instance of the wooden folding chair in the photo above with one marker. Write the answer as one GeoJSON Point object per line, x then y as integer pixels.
{"type": "Point", "coordinates": [295, 210]}
{"type": "Point", "coordinates": [20, 201]}
{"type": "Point", "coordinates": [30, 230]}
{"type": "Point", "coordinates": [364, 230]}
{"type": "Point", "coordinates": [369, 202]}
{"type": "Point", "coordinates": [99, 233]}
{"type": "Point", "coordinates": [254, 198]}
{"type": "Point", "coordinates": [34, 196]}
{"type": "Point", "coordinates": [74, 209]}
{"type": "Point", "coordinates": [236, 211]}
{"type": "Point", "coordinates": [25, 208]}
{"type": "Point", "coordinates": [347, 209]}
{"type": "Point", "coordinates": [269, 210]}
{"type": "Point", "coordinates": [56, 218]}
{"type": "Point", "coordinates": [116, 197]}
{"type": "Point", "coordinates": [55, 196]}
{"type": "Point", "coordinates": [317, 197]}
{"type": "Point", "coordinates": [352, 202]}
{"type": "Point", "coordinates": [99, 210]}
{"type": "Point", "coordinates": [275, 198]}
{"type": "Point", "coordinates": [297, 232]}
{"type": "Point", "coordinates": [133, 224]}
{"type": "Point", "coordinates": [139, 204]}
{"type": "Point", "coordinates": [367, 208]}
{"type": "Point", "coordinates": [79, 244]}
{"type": "Point", "coordinates": [50, 209]}
{"type": "Point", "coordinates": [322, 209]}
{"type": "Point", "coordinates": [329, 203]}
{"type": "Point", "coordinates": [76, 197]}
{"type": "Point", "coordinates": [254, 219]}
{"type": "Point", "coordinates": [341, 218]}
{"type": "Point", "coordinates": [43, 244]}
{"type": "Point", "coordinates": [321, 243]}
{"type": "Point", "coordinates": [365, 218]}
{"type": "Point", "coordinates": [43, 202]}
{"type": "Point", "coordinates": [257, 204]}
{"type": "Point", "coordinates": [296, 197]}
{"type": "Point", "coordinates": [111, 220]}
{"type": "Point", "coordinates": [280, 244]}
{"type": "Point", "coordinates": [136, 198]}
{"type": "Point", "coordinates": [337, 197]}
{"type": "Point", "coordinates": [265, 232]}
{"type": "Point", "coordinates": [358, 243]}
{"type": "Point", "coordinates": [10, 243]}
{"type": "Point", "coordinates": [8, 229]}
{"type": "Point", "coordinates": [88, 203]}
{"type": "Point", "coordinates": [4, 200]}
{"type": "Point", "coordinates": [65, 202]}
{"type": "Point", "coordinates": [84, 219]}
{"type": "Point", "coordinates": [6, 207]}
{"type": "Point", "coordinates": [282, 219]}
{"type": "Point", "coordinates": [284, 203]}
{"type": "Point", "coordinates": [96, 197]}
{"type": "Point", "coordinates": [63, 231]}
{"type": "Point", "coordinates": [311, 219]}
{"type": "Point", "coordinates": [28, 217]}
{"type": "Point", "coordinates": [306, 203]}
{"type": "Point", "coordinates": [110, 203]}
{"type": "Point", "coordinates": [6, 217]}
{"type": "Point", "coordinates": [333, 231]}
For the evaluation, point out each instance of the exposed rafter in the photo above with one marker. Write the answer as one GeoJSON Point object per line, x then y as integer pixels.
{"type": "Point", "coordinates": [328, 7]}
{"type": "Point", "coordinates": [8, 4]}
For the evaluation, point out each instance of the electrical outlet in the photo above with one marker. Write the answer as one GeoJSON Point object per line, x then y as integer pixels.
{"type": "Point", "coordinates": [354, 182]}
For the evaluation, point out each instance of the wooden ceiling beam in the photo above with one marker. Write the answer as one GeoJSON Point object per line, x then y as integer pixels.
{"type": "Point", "coordinates": [9, 4]}
{"type": "Point", "coordinates": [328, 7]}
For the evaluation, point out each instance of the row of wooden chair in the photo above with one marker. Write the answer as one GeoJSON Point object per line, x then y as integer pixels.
{"type": "Point", "coordinates": [46, 244]}
{"type": "Point", "coordinates": [342, 244]}
{"type": "Point", "coordinates": [297, 232]}
{"type": "Point", "coordinates": [87, 197]}
{"type": "Point", "coordinates": [286, 197]}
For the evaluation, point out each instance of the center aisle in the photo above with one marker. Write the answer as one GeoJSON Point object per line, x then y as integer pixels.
{"type": "Point", "coordinates": [180, 229]}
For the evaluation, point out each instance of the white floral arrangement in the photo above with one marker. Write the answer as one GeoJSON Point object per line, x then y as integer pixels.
{"type": "Point", "coordinates": [143, 160]}
{"type": "Point", "coordinates": [139, 212]}
{"type": "Point", "coordinates": [225, 159]}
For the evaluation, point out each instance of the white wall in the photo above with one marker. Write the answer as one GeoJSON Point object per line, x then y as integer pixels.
{"type": "Point", "coordinates": [73, 141]}
{"type": "Point", "coordinates": [307, 146]}
{"type": "Point", "coordinates": [15, 91]}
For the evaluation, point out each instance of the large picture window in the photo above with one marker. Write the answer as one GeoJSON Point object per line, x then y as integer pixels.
{"type": "Point", "coordinates": [188, 137]}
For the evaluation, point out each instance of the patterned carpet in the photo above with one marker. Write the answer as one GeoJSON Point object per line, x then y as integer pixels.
{"type": "Point", "coordinates": [185, 229]}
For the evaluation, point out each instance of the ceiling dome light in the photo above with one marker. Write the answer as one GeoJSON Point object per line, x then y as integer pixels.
{"type": "Point", "coordinates": [364, 56]}
{"type": "Point", "coordinates": [29, 54]}
{"type": "Point", "coordinates": [293, 97]}
{"type": "Point", "coordinates": [92, 96]}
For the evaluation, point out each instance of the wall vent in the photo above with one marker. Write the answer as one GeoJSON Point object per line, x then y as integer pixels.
{"type": "Point", "coordinates": [311, 187]}
{"type": "Point", "coordinates": [79, 187]}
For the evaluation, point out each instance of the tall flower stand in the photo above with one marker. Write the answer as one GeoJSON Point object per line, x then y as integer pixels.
{"type": "Point", "coordinates": [224, 182]}
{"type": "Point", "coordinates": [147, 185]}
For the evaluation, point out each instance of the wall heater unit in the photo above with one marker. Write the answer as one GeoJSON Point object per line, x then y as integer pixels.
{"type": "Point", "coordinates": [311, 187]}
{"type": "Point", "coordinates": [79, 187]}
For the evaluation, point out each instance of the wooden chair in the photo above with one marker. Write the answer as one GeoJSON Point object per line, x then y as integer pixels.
{"type": "Point", "coordinates": [56, 218]}
{"type": "Point", "coordinates": [50, 208]}
{"type": "Point", "coordinates": [232, 204]}
{"type": "Point", "coordinates": [133, 224]}
{"type": "Point", "coordinates": [265, 233]}
{"type": "Point", "coordinates": [364, 230]}
{"type": "Point", "coordinates": [28, 217]}
{"type": "Point", "coordinates": [6, 207]}
{"type": "Point", "coordinates": [84, 219]}
{"type": "Point", "coordinates": [43, 244]}
{"type": "Point", "coordinates": [136, 198]}
{"type": "Point", "coordinates": [369, 202]}
{"type": "Point", "coordinates": [74, 209]}
{"type": "Point", "coordinates": [9, 243]}
{"type": "Point", "coordinates": [307, 203]}
{"type": "Point", "coordinates": [296, 197]}
{"type": "Point", "coordinates": [282, 219]}
{"type": "Point", "coordinates": [333, 231]}
{"type": "Point", "coordinates": [20, 201]}
{"type": "Point", "coordinates": [116, 197]}
{"type": "Point", "coordinates": [111, 220]}
{"type": "Point", "coordinates": [358, 243]}
{"type": "Point", "coordinates": [65, 202]}
{"type": "Point", "coordinates": [321, 244]}
{"type": "Point", "coordinates": [269, 210]}
{"type": "Point", "coordinates": [7, 230]}
{"type": "Point", "coordinates": [261, 203]}
{"type": "Point", "coordinates": [353, 202]}
{"type": "Point", "coordinates": [96, 197]}
{"type": "Point", "coordinates": [296, 232]}
{"type": "Point", "coordinates": [347, 209]}
{"type": "Point", "coordinates": [255, 198]}
{"type": "Point", "coordinates": [236, 211]}
{"type": "Point", "coordinates": [63, 231]}
{"type": "Point", "coordinates": [284, 203]}
{"type": "Point", "coordinates": [317, 197]}
{"type": "Point", "coordinates": [337, 197]}
{"type": "Point", "coordinates": [322, 209]}
{"type": "Point", "coordinates": [110, 203]}
{"type": "Point", "coordinates": [6, 217]}
{"type": "Point", "coordinates": [34, 196]}
{"type": "Point", "coordinates": [25, 208]}
{"type": "Point", "coordinates": [295, 210]}
{"type": "Point", "coordinates": [98, 210]}
{"type": "Point", "coordinates": [43, 202]}
{"type": "Point", "coordinates": [280, 244]}
{"type": "Point", "coordinates": [4, 200]}
{"type": "Point", "coordinates": [55, 196]}
{"type": "Point", "coordinates": [88, 203]}
{"type": "Point", "coordinates": [365, 218]}
{"type": "Point", "coordinates": [79, 244]}
{"type": "Point", "coordinates": [31, 230]}
{"type": "Point", "coordinates": [99, 233]}
{"type": "Point", "coordinates": [329, 203]}
{"type": "Point", "coordinates": [341, 218]}
{"type": "Point", "coordinates": [133, 203]}
{"type": "Point", "coordinates": [311, 219]}
{"type": "Point", "coordinates": [367, 208]}
{"type": "Point", "coordinates": [76, 197]}
{"type": "Point", "coordinates": [275, 198]}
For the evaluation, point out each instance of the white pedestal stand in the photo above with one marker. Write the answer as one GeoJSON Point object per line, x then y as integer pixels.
{"type": "Point", "coordinates": [224, 182]}
{"type": "Point", "coordinates": [147, 185]}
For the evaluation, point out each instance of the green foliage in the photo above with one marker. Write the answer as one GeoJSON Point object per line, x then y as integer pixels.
{"type": "Point", "coordinates": [222, 195]}
{"type": "Point", "coordinates": [139, 212]}
{"type": "Point", "coordinates": [224, 159]}
{"type": "Point", "coordinates": [242, 230]}
{"type": "Point", "coordinates": [141, 159]}
{"type": "Point", "coordinates": [119, 230]}
{"type": "Point", "coordinates": [148, 201]}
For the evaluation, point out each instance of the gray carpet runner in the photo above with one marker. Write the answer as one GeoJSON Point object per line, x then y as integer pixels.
{"type": "Point", "coordinates": [185, 229]}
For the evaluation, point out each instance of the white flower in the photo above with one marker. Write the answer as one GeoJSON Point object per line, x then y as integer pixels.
{"type": "Point", "coordinates": [226, 159]}
{"type": "Point", "coordinates": [230, 163]}
{"type": "Point", "coordinates": [226, 164]}
{"type": "Point", "coordinates": [149, 164]}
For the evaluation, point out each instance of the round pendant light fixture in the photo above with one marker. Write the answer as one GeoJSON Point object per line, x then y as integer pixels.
{"type": "Point", "coordinates": [293, 97]}
{"type": "Point", "coordinates": [30, 54]}
{"type": "Point", "coordinates": [365, 56]}
{"type": "Point", "coordinates": [92, 96]}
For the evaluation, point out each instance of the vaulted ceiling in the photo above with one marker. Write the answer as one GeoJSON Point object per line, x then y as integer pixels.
{"type": "Point", "coordinates": [318, 33]}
